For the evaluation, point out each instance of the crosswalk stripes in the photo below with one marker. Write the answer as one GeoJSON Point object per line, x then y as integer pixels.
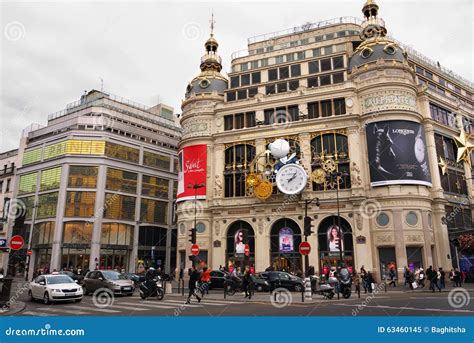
{"type": "Point", "coordinates": [62, 310]}
{"type": "Point", "coordinates": [93, 308]}
{"type": "Point", "coordinates": [37, 314]}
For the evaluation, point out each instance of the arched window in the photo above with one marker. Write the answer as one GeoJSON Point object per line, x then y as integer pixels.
{"type": "Point", "coordinates": [331, 145]}
{"type": "Point", "coordinates": [240, 234]}
{"type": "Point", "coordinates": [285, 238]}
{"type": "Point", "coordinates": [237, 165]}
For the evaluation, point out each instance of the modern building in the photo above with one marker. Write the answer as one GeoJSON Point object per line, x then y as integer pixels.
{"type": "Point", "coordinates": [98, 185]}
{"type": "Point", "coordinates": [381, 131]}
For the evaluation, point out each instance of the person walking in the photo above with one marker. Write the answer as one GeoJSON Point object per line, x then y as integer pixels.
{"type": "Point", "coordinates": [246, 283]}
{"type": "Point", "coordinates": [392, 276]}
{"type": "Point", "coordinates": [457, 278]}
{"type": "Point", "coordinates": [433, 277]}
{"type": "Point", "coordinates": [205, 281]}
{"type": "Point", "coordinates": [370, 282]}
{"type": "Point", "coordinates": [406, 276]}
{"type": "Point", "coordinates": [442, 278]}
{"type": "Point", "coordinates": [363, 276]}
{"type": "Point", "coordinates": [194, 277]}
{"type": "Point", "coordinates": [421, 277]}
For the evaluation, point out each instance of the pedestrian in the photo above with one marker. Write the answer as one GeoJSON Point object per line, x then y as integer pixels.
{"type": "Point", "coordinates": [411, 280]}
{"type": "Point", "coordinates": [194, 277]}
{"type": "Point", "coordinates": [421, 278]}
{"type": "Point", "coordinates": [392, 276]}
{"type": "Point", "coordinates": [370, 282]}
{"type": "Point", "coordinates": [252, 269]}
{"type": "Point", "coordinates": [457, 278]}
{"type": "Point", "coordinates": [442, 277]}
{"type": "Point", "coordinates": [451, 276]}
{"type": "Point", "coordinates": [363, 276]}
{"type": "Point", "coordinates": [205, 280]}
{"type": "Point", "coordinates": [246, 283]}
{"type": "Point", "coordinates": [433, 278]}
{"type": "Point", "coordinates": [463, 277]}
{"type": "Point", "coordinates": [406, 276]}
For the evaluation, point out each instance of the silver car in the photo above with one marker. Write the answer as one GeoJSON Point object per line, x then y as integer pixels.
{"type": "Point", "coordinates": [112, 280]}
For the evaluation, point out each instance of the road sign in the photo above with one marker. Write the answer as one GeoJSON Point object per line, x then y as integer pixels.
{"type": "Point", "coordinates": [195, 249]}
{"type": "Point", "coordinates": [246, 250]}
{"type": "Point", "coordinates": [29, 252]}
{"type": "Point", "coordinates": [16, 242]}
{"type": "Point", "coordinates": [305, 248]}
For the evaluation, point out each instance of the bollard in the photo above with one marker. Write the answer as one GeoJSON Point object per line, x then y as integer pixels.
{"type": "Point", "coordinates": [308, 292]}
{"type": "Point", "coordinates": [385, 286]}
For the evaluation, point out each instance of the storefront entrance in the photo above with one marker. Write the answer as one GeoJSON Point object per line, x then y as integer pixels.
{"type": "Point", "coordinates": [73, 258]}
{"type": "Point", "coordinates": [285, 238]}
{"type": "Point", "coordinates": [114, 259]}
{"type": "Point", "coordinates": [240, 234]}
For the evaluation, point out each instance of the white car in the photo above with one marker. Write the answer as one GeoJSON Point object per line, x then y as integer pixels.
{"type": "Point", "coordinates": [54, 287]}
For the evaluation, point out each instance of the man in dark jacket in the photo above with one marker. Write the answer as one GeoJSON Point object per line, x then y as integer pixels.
{"type": "Point", "coordinates": [433, 277]}
{"type": "Point", "coordinates": [247, 283]}
{"type": "Point", "coordinates": [194, 277]}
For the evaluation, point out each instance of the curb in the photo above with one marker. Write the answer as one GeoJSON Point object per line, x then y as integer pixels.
{"type": "Point", "coordinates": [18, 306]}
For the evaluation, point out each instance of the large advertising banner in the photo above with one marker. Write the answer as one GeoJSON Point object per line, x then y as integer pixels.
{"type": "Point", "coordinates": [285, 239]}
{"type": "Point", "coordinates": [192, 162]}
{"type": "Point", "coordinates": [397, 153]}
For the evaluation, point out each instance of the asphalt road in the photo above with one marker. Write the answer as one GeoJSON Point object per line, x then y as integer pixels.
{"type": "Point", "coordinates": [398, 303]}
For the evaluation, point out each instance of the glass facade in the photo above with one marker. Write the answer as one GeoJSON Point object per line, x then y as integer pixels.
{"type": "Point", "coordinates": [74, 147]}
{"type": "Point", "coordinates": [121, 152]}
{"type": "Point", "coordinates": [119, 207]}
{"type": "Point", "coordinates": [32, 156]}
{"type": "Point", "coordinates": [28, 183]}
{"type": "Point", "coordinates": [80, 204]}
{"type": "Point", "coordinates": [77, 233]}
{"type": "Point", "coordinates": [152, 211]}
{"type": "Point", "coordinates": [121, 180]}
{"type": "Point", "coordinates": [155, 187]}
{"type": "Point", "coordinates": [47, 204]}
{"type": "Point", "coordinates": [82, 177]}
{"type": "Point", "coordinates": [43, 234]}
{"type": "Point", "coordinates": [50, 179]}
{"type": "Point", "coordinates": [29, 203]}
{"type": "Point", "coordinates": [156, 161]}
{"type": "Point", "coordinates": [116, 234]}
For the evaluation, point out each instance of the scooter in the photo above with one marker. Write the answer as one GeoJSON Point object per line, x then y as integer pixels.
{"type": "Point", "coordinates": [152, 288]}
{"type": "Point", "coordinates": [345, 283]}
{"type": "Point", "coordinates": [326, 287]}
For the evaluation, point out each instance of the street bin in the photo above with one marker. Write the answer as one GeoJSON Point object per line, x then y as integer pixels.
{"type": "Point", "coordinates": [6, 284]}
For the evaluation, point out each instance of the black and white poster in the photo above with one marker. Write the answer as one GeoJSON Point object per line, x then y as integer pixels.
{"type": "Point", "coordinates": [397, 153]}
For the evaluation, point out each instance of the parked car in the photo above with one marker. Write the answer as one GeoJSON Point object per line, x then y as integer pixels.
{"type": "Point", "coordinates": [217, 279]}
{"type": "Point", "coordinates": [112, 280]}
{"type": "Point", "coordinates": [284, 280]}
{"type": "Point", "coordinates": [54, 287]}
{"type": "Point", "coordinates": [261, 284]}
{"type": "Point", "coordinates": [75, 277]}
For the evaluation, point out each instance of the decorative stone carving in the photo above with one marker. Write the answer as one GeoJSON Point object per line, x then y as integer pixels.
{"type": "Point", "coordinates": [218, 187]}
{"type": "Point", "coordinates": [217, 230]}
{"type": "Point", "coordinates": [384, 238]}
{"type": "Point", "coordinates": [196, 128]}
{"type": "Point", "coordinates": [356, 180]}
{"type": "Point", "coordinates": [414, 238]}
{"type": "Point", "coordinates": [358, 221]}
{"type": "Point", "coordinates": [388, 100]}
{"type": "Point", "coordinates": [260, 226]}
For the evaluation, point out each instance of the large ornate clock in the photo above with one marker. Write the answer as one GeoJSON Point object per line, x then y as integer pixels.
{"type": "Point", "coordinates": [291, 179]}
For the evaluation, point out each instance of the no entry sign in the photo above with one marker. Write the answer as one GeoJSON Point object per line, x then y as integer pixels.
{"type": "Point", "coordinates": [195, 249]}
{"type": "Point", "coordinates": [246, 250]}
{"type": "Point", "coordinates": [16, 242]}
{"type": "Point", "coordinates": [305, 248]}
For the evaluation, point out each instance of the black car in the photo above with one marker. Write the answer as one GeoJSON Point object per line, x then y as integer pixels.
{"type": "Point", "coordinates": [284, 280]}
{"type": "Point", "coordinates": [76, 277]}
{"type": "Point", "coordinates": [261, 284]}
{"type": "Point", "coordinates": [217, 279]}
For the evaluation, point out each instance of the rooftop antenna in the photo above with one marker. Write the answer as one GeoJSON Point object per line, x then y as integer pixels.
{"type": "Point", "coordinates": [212, 22]}
{"type": "Point", "coordinates": [101, 84]}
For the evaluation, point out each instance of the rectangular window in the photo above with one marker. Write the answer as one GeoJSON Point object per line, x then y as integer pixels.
{"type": "Point", "coordinates": [156, 160]}
{"type": "Point", "coordinates": [231, 96]}
{"type": "Point", "coordinates": [312, 82]}
{"type": "Point", "coordinates": [47, 204]}
{"type": "Point", "coordinates": [326, 108]}
{"type": "Point", "coordinates": [55, 150]}
{"type": "Point", "coordinates": [337, 62]}
{"type": "Point", "coordinates": [325, 80]}
{"type": "Point", "coordinates": [250, 119]}
{"type": "Point", "coordinates": [239, 121]}
{"type": "Point", "coordinates": [290, 57]}
{"type": "Point", "coordinates": [244, 79]}
{"type": "Point", "coordinates": [293, 85]}
{"type": "Point", "coordinates": [301, 55]}
{"type": "Point", "coordinates": [80, 204]}
{"type": "Point", "coordinates": [338, 78]}
{"type": "Point", "coordinates": [339, 106]}
{"type": "Point", "coordinates": [270, 89]}
{"type": "Point", "coordinates": [280, 59]}
{"type": "Point", "coordinates": [313, 67]}
{"type": "Point", "coordinates": [428, 75]}
{"type": "Point", "coordinates": [293, 112]}
{"type": "Point", "coordinates": [32, 156]}
{"type": "Point", "coordinates": [82, 177]}
{"type": "Point", "coordinates": [254, 64]}
{"type": "Point", "coordinates": [50, 179]}
{"type": "Point", "coordinates": [317, 52]}
{"type": "Point", "coordinates": [152, 211]}
{"type": "Point", "coordinates": [244, 66]}
{"type": "Point", "coordinates": [282, 87]}
{"type": "Point", "coordinates": [119, 207]}
{"type": "Point", "coordinates": [229, 122]}
{"type": "Point", "coordinates": [419, 70]}
{"type": "Point", "coordinates": [27, 183]}
{"type": "Point", "coordinates": [242, 94]}
{"type": "Point", "coordinates": [295, 70]}
{"type": "Point", "coordinates": [272, 74]}
{"type": "Point", "coordinates": [252, 92]}
{"type": "Point", "coordinates": [284, 73]}
{"type": "Point", "coordinates": [268, 116]}
{"type": "Point", "coordinates": [121, 181]}
{"type": "Point", "coordinates": [328, 50]}
{"type": "Point", "coordinates": [325, 64]}
{"type": "Point", "coordinates": [234, 82]}
{"type": "Point", "coordinates": [122, 152]}
{"type": "Point", "coordinates": [329, 36]}
{"type": "Point", "coordinates": [255, 78]}
{"type": "Point", "coordinates": [313, 110]}
{"type": "Point", "coordinates": [155, 187]}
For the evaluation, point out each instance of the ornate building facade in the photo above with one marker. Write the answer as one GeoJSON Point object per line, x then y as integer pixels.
{"type": "Point", "coordinates": [382, 132]}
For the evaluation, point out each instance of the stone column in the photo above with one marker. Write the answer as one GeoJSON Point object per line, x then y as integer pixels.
{"type": "Point", "coordinates": [56, 251]}
{"type": "Point", "coordinates": [436, 190]}
{"type": "Point", "coordinates": [441, 237]}
{"type": "Point", "coordinates": [99, 209]}
{"type": "Point", "coordinates": [400, 248]}
{"type": "Point", "coordinates": [427, 256]}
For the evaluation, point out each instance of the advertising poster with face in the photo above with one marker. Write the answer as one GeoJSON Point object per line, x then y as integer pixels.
{"type": "Point", "coordinates": [285, 238]}
{"type": "Point", "coordinates": [239, 244]}
{"type": "Point", "coordinates": [397, 153]}
{"type": "Point", "coordinates": [335, 241]}
{"type": "Point", "coordinates": [192, 162]}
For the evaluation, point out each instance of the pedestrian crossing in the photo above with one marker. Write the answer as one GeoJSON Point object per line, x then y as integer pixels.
{"type": "Point", "coordinates": [123, 307]}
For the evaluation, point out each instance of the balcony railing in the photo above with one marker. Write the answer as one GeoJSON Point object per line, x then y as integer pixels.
{"type": "Point", "coordinates": [214, 57]}
{"type": "Point", "coordinates": [7, 171]}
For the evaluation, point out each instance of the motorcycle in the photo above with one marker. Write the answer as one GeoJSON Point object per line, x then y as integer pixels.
{"type": "Point", "coordinates": [151, 288]}
{"type": "Point", "coordinates": [326, 288]}
{"type": "Point", "coordinates": [345, 283]}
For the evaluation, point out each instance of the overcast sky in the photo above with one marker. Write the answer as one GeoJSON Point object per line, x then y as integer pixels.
{"type": "Point", "coordinates": [148, 51]}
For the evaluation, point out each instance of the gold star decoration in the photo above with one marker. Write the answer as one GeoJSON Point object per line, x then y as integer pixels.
{"type": "Point", "coordinates": [443, 165]}
{"type": "Point", "coordinates": [464, 147]}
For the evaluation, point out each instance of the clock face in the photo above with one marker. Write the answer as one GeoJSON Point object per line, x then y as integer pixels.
{"type": "Point", "coordinates": [419, 150]}
{"type": "Point", "coordinates": [291, 179]}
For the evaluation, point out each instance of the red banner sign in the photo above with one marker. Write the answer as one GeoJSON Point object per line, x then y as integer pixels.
{"type": "Point", "coordinates": [192, 172]}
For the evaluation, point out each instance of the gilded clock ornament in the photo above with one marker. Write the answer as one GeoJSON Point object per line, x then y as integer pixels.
{"type": "Point", "coordinates": [263, 190]}
{"type": "Point", "coordinates": [318, 176]}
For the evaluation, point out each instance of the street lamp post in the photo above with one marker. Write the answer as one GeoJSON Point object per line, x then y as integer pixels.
{"type": "Point", "coordinates": [335, 177]}
{"type": "Point", "coordinates": [195, 186]}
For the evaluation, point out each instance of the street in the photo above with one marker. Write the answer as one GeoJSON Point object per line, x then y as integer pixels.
{"type": "Point", "coordinates": [391, 303]}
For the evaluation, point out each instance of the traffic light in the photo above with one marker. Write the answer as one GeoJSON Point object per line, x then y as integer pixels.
{"type": "Point", "coordinates": [192, 235]}
{"type": "Point", "coordinates": [308, 226]}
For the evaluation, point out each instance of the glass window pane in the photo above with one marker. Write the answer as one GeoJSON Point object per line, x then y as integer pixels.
{"type": "Point", "coordinates": [50, 178]}
{"type": "Point", "coordinates": [121, 152]}
{"type": "Point", "coordinates": [82, 177]}
{"type": "Point", "coordinates": [313, 67]}
{"type": "Point", "coordinates": [155, 187]}
{"type": "Point", "coordinates": [47, 204]}
{"type": "Point", "coordinates": [27, 183]}
{"type": "Point", "coordinates": [156, 160]}
{"type": "Point", "coordinates": [326, 64]}
{"type": "Point", "coordinates": [80, 204]}
{"type": "Point", "coordinates": [152, 211]}
{"type": "Point", "coordinates": [32, 156]}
